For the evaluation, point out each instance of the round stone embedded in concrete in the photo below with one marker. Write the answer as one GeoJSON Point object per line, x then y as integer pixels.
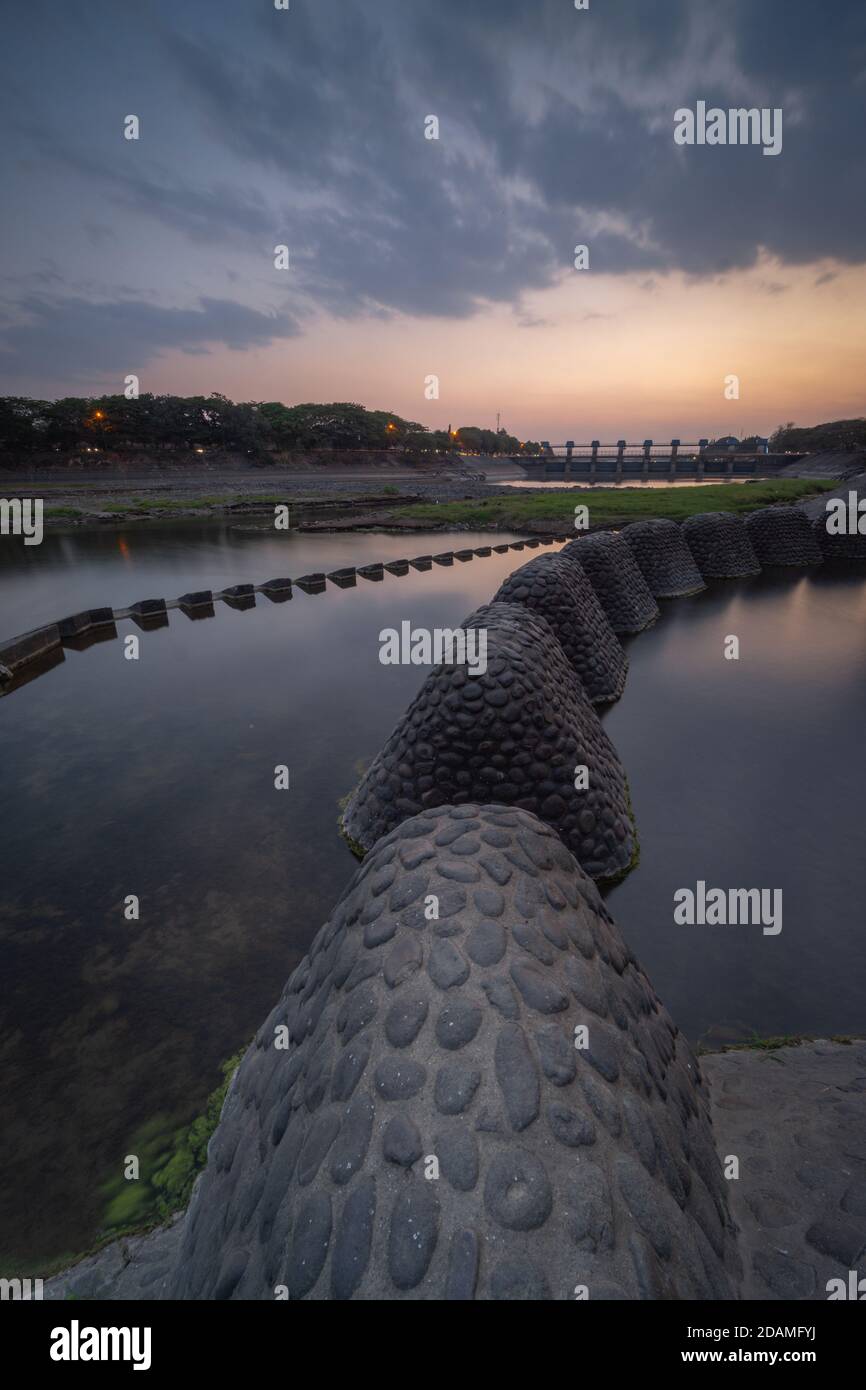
{"type": "Point", "coordinates": [616, 578]}
{"type": "Point", "coordinates": [783, 536]}
{"type": "Point", "coordinates": [518, 733]}
{"type": "Point", "coordinates": [489, 1104]}
{"type": "Point", "coordinates": [720, 544]}
{"type": "Point", "coordinates": [663, 558]}
{"type": "Point", "coordinates": [562, 593]}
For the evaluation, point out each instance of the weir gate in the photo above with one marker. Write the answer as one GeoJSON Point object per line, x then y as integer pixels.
{"type": "Point", "coordinates": [598, 462]}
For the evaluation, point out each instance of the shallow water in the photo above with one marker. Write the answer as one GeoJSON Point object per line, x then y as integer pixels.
{"type": "Point", "coordinates": [156, 778]}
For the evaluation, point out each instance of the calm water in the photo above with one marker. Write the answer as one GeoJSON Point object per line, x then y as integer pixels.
{"type": "Point", "coordinates": [156, 778]}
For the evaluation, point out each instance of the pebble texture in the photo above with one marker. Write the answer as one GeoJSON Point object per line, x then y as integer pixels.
{"type": "Point", "coordinates": [783, 536]}
{"type": "Point", "coordinates": [431, 1131]}
{"type": "Point", "coordinates": [796, 1120]}
{"type": "Point", "coordinates": [515, 734]}
{"type": "Point", "coordinates": [562, 593]}
{"type": "Point", "coordinates": [663, 558]}
{"type": "Point", "coordinates": [850, 547]}
{"type": "Point", "coordinates": [720, 544]}
{"type": "Point", "coordinates": [616, 578]}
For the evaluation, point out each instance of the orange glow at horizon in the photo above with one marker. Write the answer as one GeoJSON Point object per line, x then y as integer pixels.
{"type": "Point", "coordinates": [605, 358]}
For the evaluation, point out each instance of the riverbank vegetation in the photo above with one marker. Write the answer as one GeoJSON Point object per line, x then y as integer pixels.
{"type": "Point", "coordinates": [192, 427]}
{"type": "Point", "coordinates": [549, 509]}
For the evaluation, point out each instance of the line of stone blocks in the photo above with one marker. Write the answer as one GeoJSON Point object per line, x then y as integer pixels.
{"type": "Point", "coordinates": [468, 1090]}
{"type": "Point", "coordinates": [848, 547]}
{"type": "Point", "coordinates": [720, 544]}
{"type": "Point", "coordinates": [783, 535]}
{"type": "Point", "coordinates": [615, 575]}
{"type": "Point", "coordinates": [560, 592]}
{"type": "Point", "coordinates": [663, 558]}
{"type": "Point", "coordinates": [518, 734]}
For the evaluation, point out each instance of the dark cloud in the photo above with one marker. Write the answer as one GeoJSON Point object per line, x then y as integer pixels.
{"type": "Point", "coordinates": [77, 336]}
{"type": "Point", "coordinates": [556, 127]}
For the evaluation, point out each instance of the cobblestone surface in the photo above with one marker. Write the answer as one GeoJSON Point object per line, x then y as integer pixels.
{"type": "Point", "coordinates": [561, 592]}
{"type": "Point", "coordinates": [448, 1046]}
{"type": "Point", "coordinates": [720, 544]}
{"type": "Point", "coordinates": [664, 559]}
{"type": "Point", "coordinates": [783, 536]}
{"type": "Point", "coordinates": [616, 578]}
{"type": "Point", "coordinates": [515, 734]}
{"type": "Point", "coordinates": [796, 1120]}
{"type": "Point", "coordinates": [833, 547]}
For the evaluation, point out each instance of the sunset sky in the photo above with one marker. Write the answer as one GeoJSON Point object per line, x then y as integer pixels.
{"type": "Point", "coordinates": [453, 257]}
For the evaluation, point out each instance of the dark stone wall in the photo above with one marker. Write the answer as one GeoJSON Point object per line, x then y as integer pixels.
{"type": "Point", "coordinates": [516, 735]}
{"type": "Point", "coordinates": [720, 544]}
{"type": "Point", "coordinates": [850, 547]}
{"type": "Point", "coordinates": [783, 536]}
{"type": "Point", "coordinates": [557, 1168]}
{"type": "Point", "coordinates": [616, 578]}
{"type": "Point", "coordinates": [663, 558]}
{"type": "Point", "coordinates": [562, 593]}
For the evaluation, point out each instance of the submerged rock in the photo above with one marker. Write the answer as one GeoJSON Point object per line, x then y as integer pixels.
{"type": "Point", "coordinates": [562, 593]}
{"type": "Point", "coordinates": [616, 578]}
{"type": "Point", "coordinates": [663, 558]}
{"type": "Point", "coordinates": [720, 544]}
{"type": "Point", "coordinates": [783, 536]}
{"type": "Point", "coordinates": [517, 733]}
{"type": "Point", "coordinates": [487, 1104]}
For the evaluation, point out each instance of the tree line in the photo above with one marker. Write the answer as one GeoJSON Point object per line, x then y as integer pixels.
{"type": "Point", "coordinates": [835, 434]}
{"type": "Point", "coordinates": [200, 424]}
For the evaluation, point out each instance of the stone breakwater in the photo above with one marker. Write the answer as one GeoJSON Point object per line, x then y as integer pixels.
{"type": "Point", "coordinates": [663, 558]}
{"type": "Point", "coordinates": [432, 1130]}
{"type": "Point", "coordinates": [850, 546]}
{"type": "Point", "coordinates": [783, 536]}
{"type": "Point", "coordinates": [562, 593]}
{"type": "Point", "coordinates": [518, 733]}
{"type": "Point", "coordinates": [611, 568]}
{"type": "Point", "coordinates": [468, 1088]}
{"type": "Point", "coordinates": [720, 544]}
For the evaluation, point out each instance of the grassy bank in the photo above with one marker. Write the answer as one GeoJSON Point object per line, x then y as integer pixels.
{"type": "Point", "coordinates": [610, 505]}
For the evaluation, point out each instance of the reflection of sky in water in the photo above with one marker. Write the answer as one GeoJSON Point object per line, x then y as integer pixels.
{"type": "Point", "coordinates": [156, 778]}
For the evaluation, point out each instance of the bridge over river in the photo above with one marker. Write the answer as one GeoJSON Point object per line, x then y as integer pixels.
{"type": "Point", "coordinates": [622, 461]}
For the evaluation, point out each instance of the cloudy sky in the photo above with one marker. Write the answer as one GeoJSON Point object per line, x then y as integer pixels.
{"type": "Point", "coordinates": [411, 257]}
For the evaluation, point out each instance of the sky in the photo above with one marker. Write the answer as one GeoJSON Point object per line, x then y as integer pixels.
{"type": "Point", "coordinates": [411, 258]}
